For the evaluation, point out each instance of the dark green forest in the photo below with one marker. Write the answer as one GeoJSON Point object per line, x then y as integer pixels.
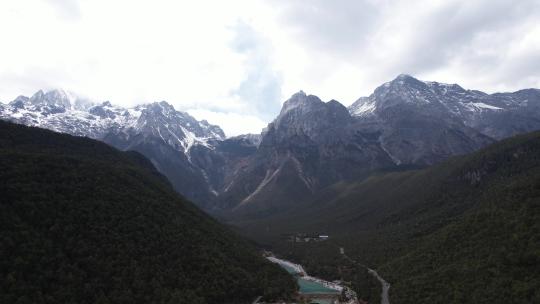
{"type": "Point", "coordinates": [81, 222]}
{"type": "Point", "coordinates": [464, 231]}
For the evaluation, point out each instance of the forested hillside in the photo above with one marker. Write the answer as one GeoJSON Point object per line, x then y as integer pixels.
{"type": "Point", "coordinates": [81, 222]}
{"type": "Point", "coordinates": [464, 231]}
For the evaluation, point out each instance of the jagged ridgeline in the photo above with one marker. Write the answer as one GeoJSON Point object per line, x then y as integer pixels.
{"type": "Point", "coordinates": [310, 145]}
{"type": "Point", "coordinates": [82, 222]}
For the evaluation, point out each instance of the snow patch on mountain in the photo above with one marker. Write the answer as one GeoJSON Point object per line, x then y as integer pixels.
{"type": "Point", "coordinates": [408, 90]}
{"type": "Point", "coordinates": [363, 106]}
{"type": "Point", "coordinates": [64, 112]}
{"type": "Point", "coordinates": [481, 106]}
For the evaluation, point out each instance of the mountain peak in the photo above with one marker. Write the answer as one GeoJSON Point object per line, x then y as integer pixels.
{"type": "Point", "coordinates": [52, 101]}
{"type": "Point", "coordinates": [37, 95]}
{"type": "Point", "coordinates": [307, 115]}
{"type": "Point", "coordinates": [161, 107]}
{"type": "Point", "coordinates": [58, 93]}
{"type": "Point", "coordinates": [164, 103]}
{"type": "Point", "coordinates": [299, 93]}
{"type": "Point", "coordinates": [20, 101]}
{"type": "Point", "coordinates": [404, 77]}
{"type": "Point", "coordinates": [300, 100]}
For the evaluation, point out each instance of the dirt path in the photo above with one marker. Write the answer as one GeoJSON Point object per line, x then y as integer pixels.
{"type": "Point", "coordinates": [385, 285]}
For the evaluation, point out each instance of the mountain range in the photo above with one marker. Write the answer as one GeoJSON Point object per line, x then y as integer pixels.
{"type": "Point", "coordinates": [310, 145]}
{"type": "Point", "coordinates": [433, 185]}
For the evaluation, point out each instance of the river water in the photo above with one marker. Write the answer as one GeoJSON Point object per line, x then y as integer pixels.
{"type": "Point", "coordinates": [307, 287]}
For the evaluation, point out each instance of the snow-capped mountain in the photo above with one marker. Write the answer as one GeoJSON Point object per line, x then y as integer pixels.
{"type": "Point", "coordinates": [495, 115]}
{"type": "Point", "coordinates": [64, 112]}
{"type": "Point", "coordinates": [158, 131]}
{"type": "Point", "coordinates": [407, 89]}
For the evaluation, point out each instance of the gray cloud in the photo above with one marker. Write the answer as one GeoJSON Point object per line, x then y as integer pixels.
{"type": "Point", "coordinates": [338, 49]}
{"type": "Point", "coordinates": [452, 30]}
{"type": "Point", "coordinates": [261, 89]}
{"type": "Point", "coordinates": [423, 38]}
{"type": "Point", "coordinates": [341, 25]}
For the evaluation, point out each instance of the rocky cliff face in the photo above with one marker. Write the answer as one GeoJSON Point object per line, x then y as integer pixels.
{"type": "Point", "coordinates": [311, 144]}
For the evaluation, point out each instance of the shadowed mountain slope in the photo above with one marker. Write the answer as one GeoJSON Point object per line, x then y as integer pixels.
{"type": "Point", "coordinates": [82, 222]}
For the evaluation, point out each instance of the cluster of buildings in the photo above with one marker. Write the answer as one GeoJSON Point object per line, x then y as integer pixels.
{"type": "Point", "coordinates": [306, 238]}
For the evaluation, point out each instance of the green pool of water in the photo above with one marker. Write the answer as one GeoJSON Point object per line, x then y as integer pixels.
{"type": "Point", "coordinates": [309, 287]}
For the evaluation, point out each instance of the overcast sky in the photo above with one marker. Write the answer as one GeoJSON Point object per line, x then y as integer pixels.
{"type": "Point", "coordinates": [235, 62]}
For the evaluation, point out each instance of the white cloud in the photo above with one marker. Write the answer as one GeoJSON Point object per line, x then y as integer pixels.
{"type": "Point", "coordinates": [244, 57]}
{"type": "Point", "coordinates": [232, 123]}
